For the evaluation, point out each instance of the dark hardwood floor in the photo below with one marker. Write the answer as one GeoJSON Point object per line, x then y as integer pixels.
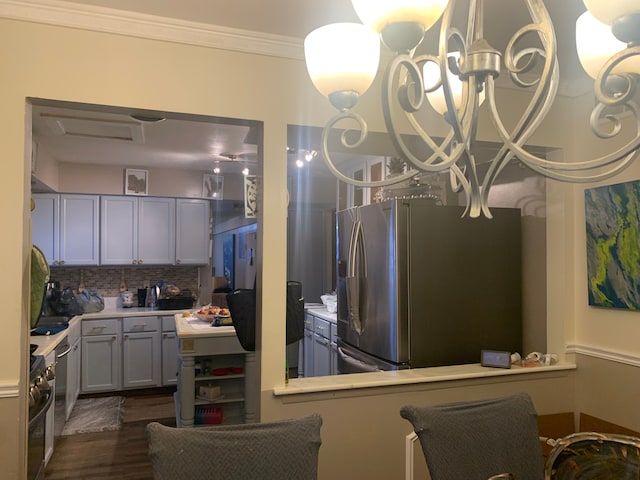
{"type": "Point", "coordinates": [121, 454]}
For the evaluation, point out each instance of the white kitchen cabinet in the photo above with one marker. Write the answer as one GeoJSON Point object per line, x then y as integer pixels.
{"type": "Point", "coordinates": [308, 347]}
{"type": "Point", "coordinates": [192, 231]}
{"type": "Point", "coordinates": [170, 360]}
{"type": "Point", "coordinates": [65, 228]}
{"type": "Point", "coordinates": [101, 355]}
{"type": "Point", "coordinates": [137, 230]}
{"type": "Point", "coordinates": [73, 369]}
{"type": "Point", "coordinates": [321, 347]}
{"type": "Point", "coordinates": [141, 358]}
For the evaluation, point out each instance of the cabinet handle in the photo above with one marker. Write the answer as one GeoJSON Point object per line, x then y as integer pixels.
{"type": "Point", "coordinates": [178, 262]}
{"type": "Point", "coordinates": [135, 262]}
{"type": "Point", "coordinates": [114, 337]}
{"type": "Point", "coordinates": [61, 262]}
{"type": "Point", "coordinates": [126, 337]}
{"type": "Point", "coordinates": [139, 262]}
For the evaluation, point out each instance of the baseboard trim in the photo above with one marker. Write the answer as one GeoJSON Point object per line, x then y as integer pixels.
{"type": "Point", "coordinates": [603, 354]}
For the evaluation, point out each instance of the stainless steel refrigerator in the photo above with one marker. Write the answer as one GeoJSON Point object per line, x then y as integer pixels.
{"type": "Point", "coordinates": [420, 286]}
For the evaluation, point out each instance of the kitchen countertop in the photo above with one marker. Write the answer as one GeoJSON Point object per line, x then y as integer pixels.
{"type": "Point", "coordinates": [352, 381]}
{"type": "Point", "coordinates": [322, 312]}
{"type": "Point", "coordinates": [193, 327]}
{"type": "Point", "coordinates": [48, 343]}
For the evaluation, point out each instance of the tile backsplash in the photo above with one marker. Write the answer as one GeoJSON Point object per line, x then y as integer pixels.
{"type": "Point", "coordinates": [106, 280]}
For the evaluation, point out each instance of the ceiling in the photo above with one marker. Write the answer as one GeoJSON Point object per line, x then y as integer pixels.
{"type": "Point", "coordinates": [98, 135]}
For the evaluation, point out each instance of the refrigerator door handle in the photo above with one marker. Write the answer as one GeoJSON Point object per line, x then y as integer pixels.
{"type": "Point", "coordinates": [356, 273]}
{"type": "Point", "coordinates": [359, 365]}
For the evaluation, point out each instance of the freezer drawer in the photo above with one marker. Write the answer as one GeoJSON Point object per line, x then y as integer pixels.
{"type": "Point", "coordinates": [352, 360]}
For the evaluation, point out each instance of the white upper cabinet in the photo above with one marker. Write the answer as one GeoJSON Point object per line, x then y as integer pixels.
{"type": "Point", "coordinates": [192, 231]}
{"type": "Point", "coordinates": [65, 228]}
{"type": "Point", "coordinates": [137, 231]}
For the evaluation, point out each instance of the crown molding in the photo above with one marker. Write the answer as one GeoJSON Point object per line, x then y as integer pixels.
{"type": "Point", "coordinates": [133, 24]}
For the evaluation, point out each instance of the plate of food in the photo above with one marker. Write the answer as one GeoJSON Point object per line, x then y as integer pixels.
{"type": "Point", "coordinates": [213, 314]}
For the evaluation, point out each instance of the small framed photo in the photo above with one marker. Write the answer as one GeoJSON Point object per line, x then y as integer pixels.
{"type": "Point", "coordinates": [250, 196]}
{"type": "Point", "coordinates": [136, 182]}
{"type": "Point", "coordinates": [212, 186]}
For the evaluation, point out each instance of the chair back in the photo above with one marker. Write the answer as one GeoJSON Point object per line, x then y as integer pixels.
{"type": "Point", "coordinates": [591, 456]}
{"type": "Point", "coordinates": [479, 439]}
{"type": "Point", "coordinates": [280, 450]}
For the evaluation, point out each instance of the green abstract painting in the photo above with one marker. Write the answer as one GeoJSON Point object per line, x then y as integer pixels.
{"type": "Point", "coordinates": [612, 216]}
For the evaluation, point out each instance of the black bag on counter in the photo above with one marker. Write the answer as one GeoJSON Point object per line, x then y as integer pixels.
{"type": "Point", "coordinates": [64, 303]}
{"type": "Point", "coordinates": [242, 306]}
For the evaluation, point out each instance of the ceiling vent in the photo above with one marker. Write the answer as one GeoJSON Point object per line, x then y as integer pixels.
{"type": "Point", "coordinates": [95, 128]}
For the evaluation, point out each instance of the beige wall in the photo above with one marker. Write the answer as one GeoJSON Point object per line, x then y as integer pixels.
{"type": "Point", "coordinates": [364, 426]}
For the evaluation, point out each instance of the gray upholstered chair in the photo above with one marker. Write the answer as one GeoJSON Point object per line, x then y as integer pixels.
{"type": "Point", "coordinates": [477, 440]}
{"type": "Point", "coordinates": [594, 456]}
{"type": "Point", "coordinates": [279, 450]}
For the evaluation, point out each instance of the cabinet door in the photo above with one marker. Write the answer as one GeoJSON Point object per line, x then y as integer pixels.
{"type": "Point", "coordinates": [170, 363]}
{"type": "Point", "coordinates": [192, 231]}
{"type": "Point", "coordinates": [321, 356]}
{"type": "Point", "coordinates": [101, 360]}
{"type": "Point", "coordinates": [309, 370]}
{"type": "Point", "coordinates": [141, 359]}
{"type": "Point", "coordinates": [45, 219]}
{"type": "Point", "coordinates": [118, 230]}
{"type": "Point", "coordinates": [79, 229]}
{"type": "Point", "coordinates": [156, 231]}
{"type": "Point", "coordinates": [73, 378]}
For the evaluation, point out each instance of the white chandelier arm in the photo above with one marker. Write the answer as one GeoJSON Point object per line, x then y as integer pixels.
{"type": "Point", "coordinates": [625, 84]}
{"type": "Point", "coordinates": [362, 135]}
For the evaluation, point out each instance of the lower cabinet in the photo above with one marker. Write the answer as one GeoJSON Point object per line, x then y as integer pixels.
{"type": "Point", "coordinates": [101, 355]}
{"type": "Point", "coordinates": [308, 370]}
{"type": "Point", "coordinates": [170, 361]}
{"type": "Point", "coordinates": [141, 352]}
{"type": "Point", "coordinates": [319, 347]}
{"type": "Point", "coordinates": [73, 371]}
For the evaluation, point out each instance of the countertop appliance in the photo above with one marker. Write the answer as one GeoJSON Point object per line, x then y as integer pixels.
{"type": "Point", "coordinates": [40, 399]}
{"type": "Point", "coordinates": [420, 286]}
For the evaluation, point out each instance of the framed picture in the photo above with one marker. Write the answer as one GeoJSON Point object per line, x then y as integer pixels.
{"type": "Point", "coordinates": [212, 186]}
{"type": "Point", "coordinates": [250, 196]}
{"type": "Point", "coordinates": [612, 218]}
{"type": "Point", "coordinates": [136, 182]}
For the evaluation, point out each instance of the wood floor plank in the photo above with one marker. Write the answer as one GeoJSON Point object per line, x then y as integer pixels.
{"type": "Point", "coordinates": [113, 455]}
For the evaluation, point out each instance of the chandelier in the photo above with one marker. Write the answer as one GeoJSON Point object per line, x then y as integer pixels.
{"type": "Point", "coordinates": [342, 60]}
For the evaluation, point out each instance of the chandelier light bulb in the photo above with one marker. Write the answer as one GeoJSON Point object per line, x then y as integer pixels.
{"type": "Point", "coordinates": [610, 11]}
{"type": "Point", "coordinates": [377, 14]}
{"type": "Point", "coordinates": [596, 44]}
{"type": "Point", "coordinates": [342, 57]}
{"type": "Point", "coordinates": [431, 75]}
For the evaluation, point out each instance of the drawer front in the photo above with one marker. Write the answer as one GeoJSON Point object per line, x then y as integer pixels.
{"type": "Point", "coordinates": [168, 323]}
{"type": "Point", "coordinates": [322, 327]}
{"type": "Point", "coordinates": [334, 333]}
{"type": "Point", "coordinates": [308, 322]}
{"type": "Point", "coordinates": [140, 324]}
{"type": "Point", "coordinates": [106, 326]}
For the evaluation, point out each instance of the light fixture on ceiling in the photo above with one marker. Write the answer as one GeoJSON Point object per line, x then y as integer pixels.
{"type": "Point", "coordinates": [342, 60]}
{"type": "Point", "coordinates": [245, 171]}
{"type": "Point", "coordinates": [216, 170]}
{"type": "Point", "coordinates": [299, 163]}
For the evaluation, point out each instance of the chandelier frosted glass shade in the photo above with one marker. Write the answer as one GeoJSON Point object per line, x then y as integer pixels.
{"type": "Point", "coordinates": [608, 11]}
{"type": "Point", "coordinates": [596, 45]}
{"type": "Point", "coordinates": [342, 57]}
{"type": "Point", "coordinates": [377, 14]}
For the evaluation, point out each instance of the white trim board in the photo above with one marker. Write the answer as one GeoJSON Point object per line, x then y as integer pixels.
{"type": "Point", "coordinates": [108, 20]}
{"type": "Point", "coordinates": [9, 390]}
{"type": "Point", "coordinates": [633, 360]}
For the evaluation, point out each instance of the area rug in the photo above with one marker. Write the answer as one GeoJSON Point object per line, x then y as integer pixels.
{"type": "Point", "coordinates": [99, 414]}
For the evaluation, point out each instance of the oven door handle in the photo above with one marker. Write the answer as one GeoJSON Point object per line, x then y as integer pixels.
{"type": "Point", "coordinates": [65, 353]}
{"type": "Point", "coordinates": [44, 409]}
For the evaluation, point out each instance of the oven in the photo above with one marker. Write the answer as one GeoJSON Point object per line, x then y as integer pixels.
{"type": "Point", "coordinates": [60, 397]}
{"type": "Point", "coordinates": [40, 397]}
